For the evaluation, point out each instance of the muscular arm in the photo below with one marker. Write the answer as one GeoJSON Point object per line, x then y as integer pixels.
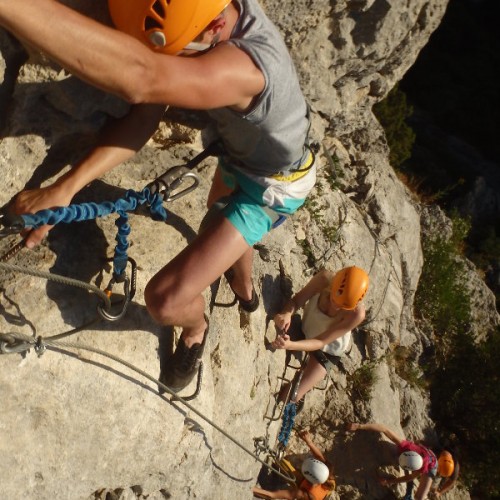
{"type": "Point", "coordinates": [120, 64]}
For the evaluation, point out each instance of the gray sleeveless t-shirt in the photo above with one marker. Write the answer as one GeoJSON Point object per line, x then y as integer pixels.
{"type": "Point", "coordinates": [270, 137]}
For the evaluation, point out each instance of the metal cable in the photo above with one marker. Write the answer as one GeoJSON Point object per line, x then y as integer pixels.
{"type": "Point", "coordinates": [77, 345]}
{"type": "Point", "coordinates": [59, 279]}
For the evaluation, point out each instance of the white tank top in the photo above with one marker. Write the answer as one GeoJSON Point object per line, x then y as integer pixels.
{"type": "Point", "coordinates": [314, 322]}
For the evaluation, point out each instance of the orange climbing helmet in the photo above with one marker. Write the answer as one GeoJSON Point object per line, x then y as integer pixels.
{"type": "Point", "coordinates": [165, 25]}
{"type": "Point", "coordinates": [348, 287]}
{"type": "Point", "coordinates": [446, 465]}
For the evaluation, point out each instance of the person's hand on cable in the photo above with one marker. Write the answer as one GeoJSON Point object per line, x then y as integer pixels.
{"type": "Point", "coordinates": [282, 321]}
{"type": "Point", "coordinates": [282, 341]}
{"type": "Point", "coordinates": [33, 200]}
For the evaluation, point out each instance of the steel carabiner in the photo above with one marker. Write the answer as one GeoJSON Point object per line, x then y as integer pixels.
{"type": "Point", "coordinates": [106, 314]}
{"type": "Point", "coordinates": [10, 224]}
{"type": "Point", "coordinates": [171, 180]}
{"type": "Point", "coordinates": [10, 344]}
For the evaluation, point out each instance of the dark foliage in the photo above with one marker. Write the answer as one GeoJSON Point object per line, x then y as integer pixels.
{"type": "Point", "coordinates": [392, 114]}
{"type": "Point", "coordinates": [453, 87]}
{"type": "Point", "coordinates": [463, 373]}
{"type": "Point", "coordinates": [455, 76]}
{"type": "Point", "coordinates": [465, 394]}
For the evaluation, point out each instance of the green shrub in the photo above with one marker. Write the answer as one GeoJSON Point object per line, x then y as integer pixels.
{"type": "Point", "coordinates": [362, 381]}
{"type": "Point", "coordinates": [405, 366]}
{"type": "Point", "coordinates": [442, 297]}
{"type": "Point", "coordinates": [463, 373]}
{"type": "Point", "coordinates": [392, 114]}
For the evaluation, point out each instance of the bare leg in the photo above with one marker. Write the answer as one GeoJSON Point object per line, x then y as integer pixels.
{"type": "Point", "coordinates": [173, 295]}
{"type": "Point", "coordinates": [242, 282]}
{"type": "Point", "coordinates": [314, 372]}
{"type": "Point", "coordinates": [424, 485]}
{"type": "Point", "coordinates": [278, 494]}
{"type": "Point", "coordinates": [218, 189]}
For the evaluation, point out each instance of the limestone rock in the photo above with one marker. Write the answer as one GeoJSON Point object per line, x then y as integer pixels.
{"type": "Point", "coordinates": [79, 425]}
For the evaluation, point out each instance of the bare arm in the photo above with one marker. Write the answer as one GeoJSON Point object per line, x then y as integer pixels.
{"type": "Point", "coordinates": [402, 479]}
{"type": "Point", "coordinates": [317, 283]}
{"type": "Point", "coordinates": [120, 64]}
{"type": "Point", "coordinates": [278, 494]}
{"type": "Point", "coordinates": [317, 453]}
{"type": "Point", "coordinates": [350, 321]}
{"type": "Point", "coordinates": [118, 142]}
{"type": "Point", "coordinates": [377, 428]}
{"type": "Point", "coordinates": [449, 482]}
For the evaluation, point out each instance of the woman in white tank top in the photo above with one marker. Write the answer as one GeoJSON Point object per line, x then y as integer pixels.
{"type": "Point", "coordinates": [332, 309]}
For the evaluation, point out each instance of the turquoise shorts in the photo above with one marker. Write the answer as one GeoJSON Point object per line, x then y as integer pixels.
{"type": "Point", "coordinates": [260, 203]}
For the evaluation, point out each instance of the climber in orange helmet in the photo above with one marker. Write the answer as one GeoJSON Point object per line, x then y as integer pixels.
{"type": "Point", "coordinates": [234, 64]}
{"type": "Point", "coordinates": [332, 309]}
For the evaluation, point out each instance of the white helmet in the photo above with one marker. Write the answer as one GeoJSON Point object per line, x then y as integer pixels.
{"type": "Point", "coordinates": [315, 471]}
{"type": "Point", "coordinates": [411, 460]}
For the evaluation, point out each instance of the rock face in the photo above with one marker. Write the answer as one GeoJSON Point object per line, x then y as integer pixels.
{"type": "Point", "coordinates": [79, 425]}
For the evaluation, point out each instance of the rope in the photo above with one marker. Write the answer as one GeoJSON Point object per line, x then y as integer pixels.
{"type": "Point", "coordinates": [288, 420]}
{"type": "Point", "coordinates": [40, 344]}
{"type": "Point", "coordinates": [89, 211]}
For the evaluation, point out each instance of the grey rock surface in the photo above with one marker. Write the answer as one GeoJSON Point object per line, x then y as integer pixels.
{"type": "Point", "coordinates": [79, 425]}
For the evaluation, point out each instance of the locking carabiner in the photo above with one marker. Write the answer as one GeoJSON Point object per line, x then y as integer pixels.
{"type": "Point", "coordinates": [104, 312]}
{"type": "Point", "coordinates": [171, 180]}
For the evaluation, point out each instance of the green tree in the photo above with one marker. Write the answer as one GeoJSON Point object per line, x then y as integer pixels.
{"type": "Point", "coordinates": [442, 297]}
